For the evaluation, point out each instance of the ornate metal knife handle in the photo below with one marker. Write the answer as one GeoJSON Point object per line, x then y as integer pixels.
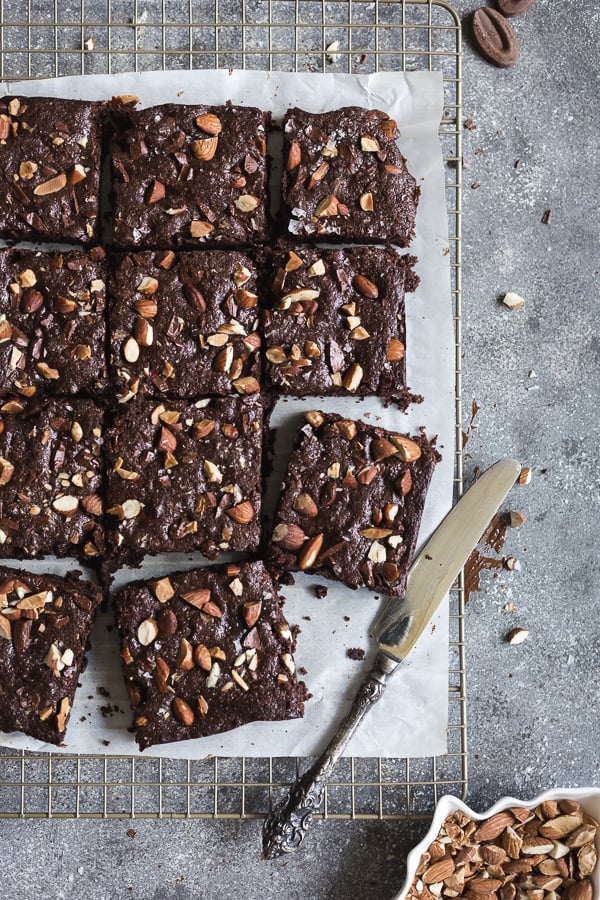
{"type": "Point", "coordinates": [285, 828]}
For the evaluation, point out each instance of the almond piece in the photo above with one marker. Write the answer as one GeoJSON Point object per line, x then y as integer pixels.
{"type": "Point", "coordinates": [77, 174]}
{"type": "Point", "coordinates": [494, 826]}
{"type": "Point", "coordinates": [200, 229]}
{"type": "Point", "coordinates": [395, 350]}
{"type": "Point", "coordinates": [366, 202]}
{"type": "Point", "coordinates": [185, 659]}
{"type": "Point", "coordinates": [209, 123]}
{"type": "Point", "coordinates": [144, 333]}
{"type": "Point", "coordinates": [294, 156]}
{"type": "Point", "coordinates": [146, 308]}
{"type": "Point", "coordinates": [353, 377]}
{"type": "Point", "coordinates": [293, 262]}
{"type": "Point", "coordinates": [163, 590]}
{"type": "Point", "coordinates": [202, 657]}
{"type": "Point", "coordinates": [243, 513]}
{"type": "Point", "coordinates": [64, 708]}
{"type": "Point", "coordinates": [247, 202]}
{"type": "Point", "coordinates": [305, 504]}
{"type": "Point", "coordinates": [561, 826]}
{"type": "Point", "coordinates": [248, 385]}
{"type": "Point", "coordinates": [7, 470]}
{"type": "Point", "coordinates": [329, 206]}
{"type": "Point", "coordinates": [318, 175]}
{"type": "Point", "coordinates": [251, 611]}
{"type": "Point", "coordinates": [205, 149]}
{"type": "Point", "coordinates": [310, 552]}
{"type": "Point", "coordinates": [438, 871]}
{"type": "Point", "coordinates": [182, 711]}
{"type": "Point", "coordinates": [408, 450]}
{"type": "Point", "coordinates": [147, 632]}
{"type": "Point", "coordinates": [155, 192]}
{"type": "Point", "coordinates": [382, 449]}
{"type": "Point", "coordinates": [66, 505]}
{"type": "Point", "coordinates": [148, 285]}
{"type": "Point", "coordinates": [369, 144]}
{"type": "Point", "coordinates": [92, 504]}
{"type": "Point", "coordinates": [52, 186]}
{"type": "Point", "coordinates": [198, 598]}
{"type": "Point", "coordinates": [131, 350]}
{"type": "Point", "coordinates": [27, 170]}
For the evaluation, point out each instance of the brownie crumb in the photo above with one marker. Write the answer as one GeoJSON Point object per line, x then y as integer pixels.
{"type": "Point", "coordinates": [356, 653]}
{"type": "Point", "coordinates": [470, 125]}
{"type": "Point", "coordinates": [287, 579]}
{"type": "Point", "coordinates": [320, 591]}
{"type": "Point", "coordinates": [346, 618]}
{"type": "Point", "coordinates": [131, 832]}
{"type": "Point", "coordinates": [547, 217]}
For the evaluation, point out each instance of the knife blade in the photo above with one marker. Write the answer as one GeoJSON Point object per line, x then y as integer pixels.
{"type": "Point", "coordinates": [435, 569]}
{"type": "Point", "coordinates": [403, 621]}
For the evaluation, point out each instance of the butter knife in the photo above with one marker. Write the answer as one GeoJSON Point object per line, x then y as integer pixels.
{"type": "Point", "coordinates": [401, 624]}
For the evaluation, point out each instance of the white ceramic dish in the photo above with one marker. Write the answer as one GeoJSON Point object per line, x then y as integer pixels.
{"type": "Point", "coordinates": [588, 797]}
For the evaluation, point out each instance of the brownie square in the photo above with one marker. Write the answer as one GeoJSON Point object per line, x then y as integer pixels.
{"type": "Point", "coordinates": [184, 477]}
{"type": "Point", "coordinates": [206, 651]}
{"type": "Point", "coordinates": [51, 479]}
{"type": "Point", "coordinates": [184, 325]}
{"type": "Point", "coordinates": [45, 622]}
{"type": "Point", "coordinates": [190, 176]}
{"type": "Point", "coordinates": [335, 322]}
{"type": "Point", "coordinates": [345, 179]}
{"type": "Point", "coordinates": [352, 502]}
{"type": "Point", "coordinates": [50, 159]}
{"type": "Point", "coordinates": [52, 330]}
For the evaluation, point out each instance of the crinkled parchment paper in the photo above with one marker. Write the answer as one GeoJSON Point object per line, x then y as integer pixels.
{"type": "Point", "coordinates": [411, 719]}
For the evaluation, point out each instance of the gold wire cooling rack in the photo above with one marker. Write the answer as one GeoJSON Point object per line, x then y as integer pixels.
{"type": "Point", "coordinates": [47, 38]}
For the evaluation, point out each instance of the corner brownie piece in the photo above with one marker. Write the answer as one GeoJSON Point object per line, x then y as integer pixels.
{"type": "Point", "coordinates": [50, 479]}
{"type": "Point", "coordinates": [336, 321]}
{"type": "Point", "coordinates": [44, 626]}
{"type": "Point", "coordinates": [187, 176]}
{"type": "Point", "coordinates": [52, 330]}
{"type": "Point", "coordinates": [184, 477]}
{"type": "Point", "coordinates": [352, 502]}
{"type": "Point", "coordinates": [184, 325]}
{"type": "Point", "coordinates": [345, 178]}
{"type": "Point", "coordinates": [207, 651]}
{"type": "Point", "coordinates": [50, 159]}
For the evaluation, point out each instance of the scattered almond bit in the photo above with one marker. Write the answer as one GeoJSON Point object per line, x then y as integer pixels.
{"type": "Point", "coordinates": [517, 636]}
{"type": "Point", "coordinates": [516, 519]}
{"type": "Point", "coordinates": [89, 44]}
{"type": "Point", "coordinates": [512, 300]}
{"type": "Point", "coordinates": [525, 475]}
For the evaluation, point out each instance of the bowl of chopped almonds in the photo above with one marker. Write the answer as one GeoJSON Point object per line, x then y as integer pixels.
{"type": "Point", "coordinates": [540, 849]}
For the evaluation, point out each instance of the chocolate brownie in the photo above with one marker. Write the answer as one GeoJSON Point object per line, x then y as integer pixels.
{"type": "Point", "coordinates": [50, 152]}
{"type": "Point", "coordinates": [207, 651]}
{"type": "Point", "coordinates": [184, 477]}
{"type": "Point", "coordinates": [44, 626]}
{"type": "Point", "coordinates": [190, 176]}
{"type": "Point", "coordinates": [336, 321]}
{"type": "Point", "coordinates": [345, 179]}
{"type": "Point", "coordinates": [351, 502]}
{"type": "Point", "coordinates": [184, 325]}
{"type": "Point", "coordinates": [52, 329]}
{"type": "Point", "coordinates": [50, 479]}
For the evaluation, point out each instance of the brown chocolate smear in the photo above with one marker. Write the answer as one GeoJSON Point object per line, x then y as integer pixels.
{"type": "Point", "coordinates": [495, 38]}
{"type": "Point", "coordinates": [511, 8]}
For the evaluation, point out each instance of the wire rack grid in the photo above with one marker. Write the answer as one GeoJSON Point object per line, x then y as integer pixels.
{"type": "Point", "coordinates": [47, 39]}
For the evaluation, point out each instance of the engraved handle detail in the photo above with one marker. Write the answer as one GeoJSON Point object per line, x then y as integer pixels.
{"type": "Point", "coordinates": [286, 827]}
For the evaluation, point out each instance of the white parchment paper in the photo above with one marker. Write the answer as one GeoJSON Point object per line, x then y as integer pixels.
{"type": "Point", "coordinates": [411, 718]}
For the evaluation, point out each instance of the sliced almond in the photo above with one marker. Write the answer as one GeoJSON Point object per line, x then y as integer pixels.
{"type": "Point", "coordinates": [52, 186]}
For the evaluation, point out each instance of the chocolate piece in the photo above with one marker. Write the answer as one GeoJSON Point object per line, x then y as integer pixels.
{"type": "Point", "coordinates": [511, 8]}
{"type": "Point", "coordinates": [44, 626]}
{"type": "Point", "coordinates": [345, 179]}
{"type": "Point", "coordinates": [185, 476]}
{"type": "Point", "coordinates": [184, 325]}
{"type": "Point", "coordinates": [495, 38]}
{"type": "Point", "coordinates": [50, 479]}
{"type": "Point", "coordinates": [336, 321]}
{"type": "Point", "coordinates": [52, 329]}
{"type": "Point", "coordinates": [206, 651]}
{"type": "Point", "coordinates": [190, 176]}
{"type": "Point", "coordinates": [352, 503]}
{"type": "Point", "coordinates": [50, 168]}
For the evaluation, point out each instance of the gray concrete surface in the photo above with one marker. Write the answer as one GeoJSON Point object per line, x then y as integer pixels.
{"type": "Point", "coordinates": [532, 709]}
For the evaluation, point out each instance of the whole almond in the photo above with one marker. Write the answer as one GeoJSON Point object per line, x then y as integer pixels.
{"type": "Point", "coordinates": [205, 149]}
{"type": "Point", "coordinates": [395, 350]}
{"type": "Point", "coordinates": [582, 835]}
{"type": "Point", "coordinates": [209, 123]}
{"type": "Point", "coordinates": [365, 287]}
{"type": "Point", "coordinates": [438, 871]}
{"type": "Point", "coordinates": [409, 451]}
{"type": "Point", "coordinates": [185, 659]}
{"type": "Point", "coordinates": [182, 711]}
{"type": "Point", "coordinates": [202, 657]}
{"type": "Point", "coordinates": [305, 504]}
{"type": "Point", "coordinates": [291, 537]}
{"type": "Point", "coordinates": [242, 513]}
{"type": "Point", "coordinates": [251, 611]}
{"type": "Point", "coordinates": [481, 886]}
{"type": "Point", "coordinates": [494, 826]}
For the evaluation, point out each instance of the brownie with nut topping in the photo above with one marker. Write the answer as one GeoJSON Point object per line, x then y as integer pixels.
{"type": "Point", "coordinates": [51, 479]}
{"type": "Point", "coordinates": [335, 321]}
{"type": "Point", "coordinates": [345, 178]}
{"type": "Point", "coordinates": [185, 324]}
{"type": "Point", "coordinates": [50, 161]}
{"type": "Point", "coordinates": [190, 176]}
{"type": "Point", "coordinates": [351, 503]}
{"type": "Point", "coordinates": [206, 651]}
{"type": "Point", "coordinates": [45, 622]}
{"type": "Point", "coordinates": [184, 476]}
{"type": "Point", "coordinates": [52, 329]}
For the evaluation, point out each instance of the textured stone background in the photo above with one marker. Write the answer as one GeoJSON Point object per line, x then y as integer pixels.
{"type": "Point", "coordinates": [532, 709]}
